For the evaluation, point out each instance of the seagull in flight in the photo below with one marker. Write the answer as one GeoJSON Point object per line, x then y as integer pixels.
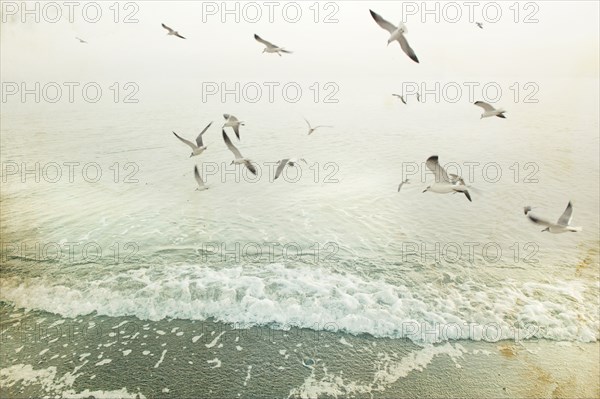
{"type": "Point", "coordinates": [396, 33]}
{"type": "Point", "coordinates": [445, 183]}
{"type": "Point", "coordinates": [563, 224]}
{"type": "Point", "coordinates": [312, 129]}
{"type": "Point", "coordinates": [233, 122]}
{"type": "Point", "coordinates": [270, 47]}
{"type": "Point", "coordinates": [201, 186]}
{"type": "Point", "coordinates": [172, 32]}
{"type": "Point", "coordinates": [239, 159]}
{"type": "Point", "coordinates": [197, 148]}
{"type": "Point", "coordinates": [282, 164]}
{"type": "Point", "coordinates": [80, 40]}
{"type": "Point", "coordinates": [489, 111]}
{"type": "Point", "coordinates": [400, 97]}
{"type": "Point", "coordinates": [527, 209]}
{"type": "Point", "coordinates": [403, 183]}
{"type": "Point", "coordinates": [479, 24]}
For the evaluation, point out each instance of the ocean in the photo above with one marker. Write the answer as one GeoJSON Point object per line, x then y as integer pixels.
{"type": "Point", "coordinates": [120, 279]}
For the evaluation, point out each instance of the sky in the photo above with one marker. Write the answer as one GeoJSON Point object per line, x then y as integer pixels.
{"type": "Point", "coordinates": [563, 43]}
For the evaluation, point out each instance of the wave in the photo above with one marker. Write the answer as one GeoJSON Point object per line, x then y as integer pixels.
{"type": "Point", "coordinates": [320, 299]}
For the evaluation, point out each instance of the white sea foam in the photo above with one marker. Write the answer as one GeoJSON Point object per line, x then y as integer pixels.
{"type": "Point", "coordinates": [315, 298]}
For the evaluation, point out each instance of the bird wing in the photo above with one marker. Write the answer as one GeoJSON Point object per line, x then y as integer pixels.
{"type": "Point", "coordinates": [440, 174]}
{"type": "Point", "coordinates": [250, 167]}
{"type": "Point", "coordinates": [567, 215]}
{"type": "Point", "coordinates": [231, 147]}
{"type": "Point", "coordinates": [236, 129]}
{"type": "Point", "coordinates": [167, 28]}
{"type": "Point", "coordinates": [263, 41]}
{"type": "Point", "coordinates": [537, 220]}
{"type": "Point", "coordinates": [457, 179]}
{"type": "Point", "coordinates": [198, 177]}
{"type": "Point", "coordinates": [280, 167]}
{"type": "Point", "coordinates": [286, 51]}
{"type": "Point", "coordinates": [484, 105]}
{"type": "Point", "coordinates": [199, 138]}
{"type": "Point", "coordinates": [230, 118]}
{"type": "Point", "coordinates": [407, 49]}
{"type": "Point", "coordinates": [308, 123]}
{"type": "Point", "coordinates": [192, 146]}
{"type": "Point", "coordinates": [382, 22]}
{"type": "Point", "coordinates": [178, 35]}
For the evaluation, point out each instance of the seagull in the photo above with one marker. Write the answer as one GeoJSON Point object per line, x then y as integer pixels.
{"type": "Point", "coordinates": [490, 111]}
{"type": "Point", "coordinates": [396, 33]}
{"type": "Point", "coordinates": [400, 97]}
{"type": "Point", "coordinates": [403, 183]}
{"type": "Point", "coordinates": [80, 40]}
{"type": "Point", "coordinates": [479, 24]}
{"type": "Point", "coordinates": [239, 159]}
{"type": "Point", "coordinates": [201, 186]}
{"type": "Point", "coordinates": [197, 148]}
{"type": "Point", "coordinates": [270, 47]}
{"type": "Point", "coordinates": [232, 121]}
{"type": "Point", "coordinates": [445, 184]}
{"type": "Point", "coordinates": [418, 97]}
{"type": "Point", "coordinates": [563, 224]}
{"type": "Point", "coordinates": [312, 129]}
{"type": "Point", "coordinates": [172, 32]}
{"type": "Point", "coordinates": [284, 162]}
{"type": "Point", "coordinates": [527, 209]}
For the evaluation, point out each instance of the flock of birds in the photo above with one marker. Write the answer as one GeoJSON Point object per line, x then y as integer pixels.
{"type": "Point", "coordinates": [444, 183]}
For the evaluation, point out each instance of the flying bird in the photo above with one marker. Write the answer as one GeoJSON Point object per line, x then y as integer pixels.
{"type": "Point", "coordinates": [400, 97]}
{"type": "Point", "coordinates": [403, 183]}
{"type": "Point", "coordinates": [233, 122]}
{"type": "Point", "coordinates": [479, 24]}
{"type": "Point", "coordinates": [563, 224]}
{"type": "Point", "coordinates": [489, 111]}
{"type": "Point", "coordinates": [80, 40]}
{"type": "Point", "coordinates": [284, 162]}
{"type": "Point", "coordinates": [418, 97]}
{"type": "Point", "coordinates": [445, 183]}
{"type": "Point", "coordinates": [201, 186]}
{"type": "Point", "coordinates": [197, 148]}
{"type": "Point", "coordinates": [270, 47]}
{"type": "Point", "coordinates": [239, 159]}
{"type": "Point", "coordinates": [396, 33]}
{"type": "Point", "coordinates": [172, 32]}
{"type": "Point", "coordinates": [312, 129]}
{"type": "Point", "coordinates": [527, 209]}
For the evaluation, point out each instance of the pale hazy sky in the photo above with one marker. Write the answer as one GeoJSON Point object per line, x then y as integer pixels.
{"type": "Point", "coordinates": [564, 43]}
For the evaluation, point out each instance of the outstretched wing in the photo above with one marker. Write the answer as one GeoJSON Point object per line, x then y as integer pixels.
{"type": "Point", "coordinates": [236, 129]}
{"type": "Point", "coordinates": [407, 49]}
{"type": "Point", "coordinates": [567, 215]}
{"type": "Point", "coordinates": [192, 146]}
{"type": "Point", "coordinates": [198, 177]}
{"type": "Point", "coordinates": [199, 138]}
{"type": "Point", "coordinates": [382, 22]}
{"type": "Point", "coordinates": [537, 220]}
{"type": "Point", "coordinates": [250, 167]}
{"type": "Point", "coordinates": [484, 105]}
{"type": "Point", "coordinates": [434, 165]}
{"type": "Point", "coordinates": [178, 35]}
{"type": "Point", "coordinates": [230, 118]}
{"type": "Point", "coordinates": [167, 28]}
{"type": "Point", "coordinates": [231, 147]}
{"type": "Point", "coordinates": [280, 167]}
{"type": "Point", "coordinates": [263, 41]}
